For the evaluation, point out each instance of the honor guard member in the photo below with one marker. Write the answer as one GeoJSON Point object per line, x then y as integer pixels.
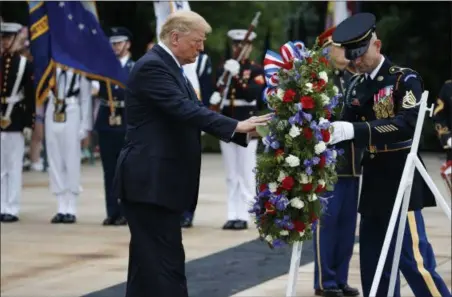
{"type": "Point", "coordinates": [381, 104]}
{"type": "Point", "coordinates": [442, 117]}
{"type": "Point", "coordinates": [16, 119]}
{"type": "Point", "coordinates": [110, 125]}
{"type": "Point", "coordinates": [204, 73]}
{"type": "Point", "coordinates": [68, 119]}
{"type": "Point", "coordinates": [334, 233]}
{"type": "Point", "coordinates": [245, 90]}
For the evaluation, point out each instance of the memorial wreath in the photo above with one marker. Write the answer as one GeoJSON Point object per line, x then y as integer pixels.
{"type": "Point", "coordinates": [297, 166]}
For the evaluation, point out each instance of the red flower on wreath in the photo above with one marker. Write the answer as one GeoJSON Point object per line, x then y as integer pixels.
{"type": "Point", "coordinates": [306, 187]}
{"type": "Point", "coordinates": [307, 102]}
{"type": "Point", "coordinates": [299, 226]}
{"type": "Point", "coordinates": [323, 60]}
{"type": "Point", "coordinates": [309, 60]}
{"type": "Point", "coordinates": [322, 161]}
{"type": "Point", "coordinates": [325, 135]}
{"type": "Point", "coordinates": [262, 187]}
{"type": "Point", "coordinates": [287, 183]}
{"type": "Point", "coordinates": [289, 95]}
{"type": "Point", "coordinates": [269, 208]}
{"type": "Point", "coordinates": [307, 132]}
{"type": "Point", "coordinates": [319, 189]}
{"type": "Point", "coordinates": [327, 114]}
{"type": "Point", "coordinates": [319, 85]}
{"type": "Point", "coordinates": [279, 152]}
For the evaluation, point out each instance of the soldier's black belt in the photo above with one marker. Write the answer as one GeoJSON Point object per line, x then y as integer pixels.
{"type": "Point", "coordinates": [403, 145]}
{"type": "Point", "coordinates": [116, 104]}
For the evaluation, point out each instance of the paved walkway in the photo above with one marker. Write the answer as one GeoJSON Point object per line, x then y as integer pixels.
{"type": "Point", "coordinates": [43, 260]}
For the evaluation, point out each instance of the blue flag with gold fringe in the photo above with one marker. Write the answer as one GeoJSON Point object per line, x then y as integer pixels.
{"type": "Point", "coordinates": [68, 34]}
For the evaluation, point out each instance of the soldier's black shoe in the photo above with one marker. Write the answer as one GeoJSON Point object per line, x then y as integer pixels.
{"type": "Point", "coordinates": [57, 219]}
{"type": "Point", "coordinates": [229, 225]}
{"type": "Point", "coordinates": [109, 221]}
{"type": "Point", "coordinates": [240, 225]}
{"type": "Point", "coordinates": [7, 218]}
{"type": "Point", "coordinates": [349, 291]}
{"type": "Point", "coordinates": [333, 292]}
{"type": "Point", "coordinates": [121, 221]}
{"type": "Point", "coordinates": [186, 222]}
{"type": "Point", "coordinates": [69, 219]}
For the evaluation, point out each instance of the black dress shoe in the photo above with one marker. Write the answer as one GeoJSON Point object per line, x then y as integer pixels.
{"type": "Point", "coordinates": [57, 219]}
{"type": "Point", "coordinates": [7, 218]}
{"type": "Point", "coordinates": [349, 291]}
{"type": "Point", "coordinates": [186, 223]}
{"type": "Point", "coordinates": [121, 221]}
{"type": "Point", "coordinates": [318, 292]}
{"type": "Point", "coordinates": [69, 219]}
{"type": "Point", "coordinates": [109, 221]}
{"type": "Point", "coordinates": [333, 292]}
{"type": "Point", "coordinates": [240, 225]}
{"type": "Point", "coordinates": [229, 225]}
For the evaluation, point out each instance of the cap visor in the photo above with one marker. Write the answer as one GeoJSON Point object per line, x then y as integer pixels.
{"type": "Point", "coordinates": [352, 54]}
{"type": "Point", "coordinates": [115, 39]}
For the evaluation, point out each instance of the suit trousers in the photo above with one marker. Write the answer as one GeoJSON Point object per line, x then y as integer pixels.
{"type": "Point", "coordinates": [334, 235]}
{"type": "Point", "coordinates": [417, 259]}
{"type": "Point", "coordinates": [12, 154]}
{"type": "Point", "coordinates": [239, 163]}
{"type": "Point", "coordinates": [156, 254]}
{"type": "Point", "coordinates": [63, 155]}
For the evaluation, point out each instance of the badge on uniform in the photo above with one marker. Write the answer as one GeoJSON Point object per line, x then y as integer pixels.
{"type": "Point", "coordinates": [5, 122]}
{"type": "Point", "coordinates": [115, 120]}
{"type": "Point", "coordinates": [384, 103]}
{"type": "Point", "coordinates": [409, 100]}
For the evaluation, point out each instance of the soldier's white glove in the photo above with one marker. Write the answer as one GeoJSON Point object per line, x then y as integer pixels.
{"type": "Point", "coordinates": [449, 142]}
{"type": "Point", "coordinates": [215, 98]}
{"type": "Point", "coordinates": [82, 134]}
{"type": "Point", "coordinates": [27, 133]}
{"type": "Point", "coordinates": [232, 66]}
{"type": "Point", "coordinates": [342, 131]}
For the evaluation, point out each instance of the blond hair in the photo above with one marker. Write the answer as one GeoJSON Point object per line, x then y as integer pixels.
{"type": "Point", "coordinates": [183, 22]}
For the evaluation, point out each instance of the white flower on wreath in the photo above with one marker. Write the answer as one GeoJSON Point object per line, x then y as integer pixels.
{"type": "Point", "coordinates": [284, 233]}
{"type": "Point", "coordinates": [320, 147]}
{"type": "Point", "coordinates": [301, 233]}
{"type": "Point", "coordinates": [296, 203]}
{"type": "Point", "coordinates": [334, 154]}
{"type": "Point", "coordinates": [269, 238]}
{"type": "Point", "coordinates": [335, 90]}
{"type": "Point", "coordinates": [321, 182]}
{"type": "Point", "coordinates": [282, 176]}
{"type": "Point", "coordinates": [294, 131]}
{"type": "Point", "coordinates": [304, 178]}
{"type": "Point", "coordinates": [324, 76]}
{"type": "Point", "coordinates": [280, 93]}
{"type": "Point", "coordinates": [323, 121]}
{"type": "Point", "coordinates": [312, 197]}
{"type": "Point", "coordinates": [325, 99]}
{"type": "Point", "coordinates": [293, 161]}
{"type": "Point", "coordinates": [308, 87]}
{"type": "Point", "coordinates": [272, 187]}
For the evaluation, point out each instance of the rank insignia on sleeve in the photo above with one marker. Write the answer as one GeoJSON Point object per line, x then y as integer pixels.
{"type": "Point", "coordinates": [409, 100]}
{"type": "Point", "coordinates": [259, 79]}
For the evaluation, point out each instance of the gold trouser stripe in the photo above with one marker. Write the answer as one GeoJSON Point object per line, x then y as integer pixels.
{"type": "Point", "coordinates": [319, 263]}
{"type": "Point", "coordinates": [418, 257]}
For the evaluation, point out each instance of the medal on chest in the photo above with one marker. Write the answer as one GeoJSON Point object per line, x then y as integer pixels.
{"type": "Point", "coordinates": [384, 103]}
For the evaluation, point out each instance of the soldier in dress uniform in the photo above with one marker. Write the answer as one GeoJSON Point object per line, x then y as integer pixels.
{"type": "Point", "coordinates": [16, 119]}
{"type": "Point", "coordinates": [442, 117]}
{"type": "Point", "coordinates": [204, 73]}
{"type": "Point", "coordinates": [380, 115]}
{"type": "Point", "coordinates": [245, 90]}
{"type": "Point", "coordinates": [110, 125]}
{"type": "Point", "coordinates": [334, 233]}
{"type": "Point", "coordinates": [68, 120]}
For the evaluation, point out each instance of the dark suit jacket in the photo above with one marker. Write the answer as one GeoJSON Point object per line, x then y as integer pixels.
{"type": "Point", "coordinates": [161, 160]}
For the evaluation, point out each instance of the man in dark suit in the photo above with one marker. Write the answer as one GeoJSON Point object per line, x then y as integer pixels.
{"type": "Point", "coordinates": [158, 170]}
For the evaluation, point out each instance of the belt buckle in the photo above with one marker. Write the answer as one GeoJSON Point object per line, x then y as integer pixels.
{"type": "Point", "coordinates": [115, 120]}
{"type": "Point", "coordinates": [5, 122]}
{"type": "Point", "coordinates": [59, 117]}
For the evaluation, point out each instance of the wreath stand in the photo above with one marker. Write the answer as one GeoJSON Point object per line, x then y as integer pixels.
{"type": "Point", "coordinates": [403, 195]}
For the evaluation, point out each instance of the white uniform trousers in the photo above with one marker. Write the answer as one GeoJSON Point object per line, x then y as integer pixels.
{"type": "Point", "coordinates": [12, 154]}
{"type": "Point", "coordinates": [240, 163]}
{"type": "Point", "coordinates": [63, 154]}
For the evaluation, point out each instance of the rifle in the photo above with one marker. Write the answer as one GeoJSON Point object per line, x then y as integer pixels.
{"type": "Point", "coordinates": [224, 81]}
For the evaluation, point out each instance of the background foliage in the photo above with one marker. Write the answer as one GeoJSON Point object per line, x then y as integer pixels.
{"type": "Point", "coordinates": [415, 34]}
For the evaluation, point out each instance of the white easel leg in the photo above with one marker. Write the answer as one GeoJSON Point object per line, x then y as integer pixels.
{"type": "Point", "coordinates": [294, 267]}
{"type": "Point", "coordinates": [439, 198]}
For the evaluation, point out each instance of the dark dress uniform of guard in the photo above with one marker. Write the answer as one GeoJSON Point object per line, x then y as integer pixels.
{"type": "Point", "coordinates": [334, 234]}
{"type": "Point", "coordinates": [204, 74]}
{"type": "Point", "coordinates": [111, 129]}
{"type": "Point", "coordinates": [17, 119]}
{"type": "Point", "coordinates": [245, 90]}
{"type": "Point", "coordinates": [442, 117]}
{"type": "Point", "coordinates": [381, 117]}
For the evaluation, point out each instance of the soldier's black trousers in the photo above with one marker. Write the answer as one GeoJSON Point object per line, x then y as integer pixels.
{"type": "Point", "coordinates": [110, 144]}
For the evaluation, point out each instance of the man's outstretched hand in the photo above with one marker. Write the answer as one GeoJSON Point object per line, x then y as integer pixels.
{"type": "Point", "coordinates": [250, 124]}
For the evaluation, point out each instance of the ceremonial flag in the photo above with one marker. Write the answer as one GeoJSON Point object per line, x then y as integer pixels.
{"type": "Point", "coordinates": [162, 10]}
{"type": "Point", "coordinates": [68, 34]}
{"type": "Point", "coordinates": [337, 11]}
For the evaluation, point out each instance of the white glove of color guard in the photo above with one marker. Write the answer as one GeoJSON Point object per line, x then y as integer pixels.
{"type": "Point", "coordinates": [342, 131]}
{"type": "Point", "coordinates": [232, 66]}
{"type": "Point", "coordinates": [449, 142]}
{"type": "Point", "coordinates": [27, 133]}
{"type": "Point", "coordinates": [215, 98]}
{"type": "Point", "coordinates": [82, 134]}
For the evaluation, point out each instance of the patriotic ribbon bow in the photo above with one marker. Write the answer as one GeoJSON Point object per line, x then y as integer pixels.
{"type": "Point", "coordinates": [273, 62]}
